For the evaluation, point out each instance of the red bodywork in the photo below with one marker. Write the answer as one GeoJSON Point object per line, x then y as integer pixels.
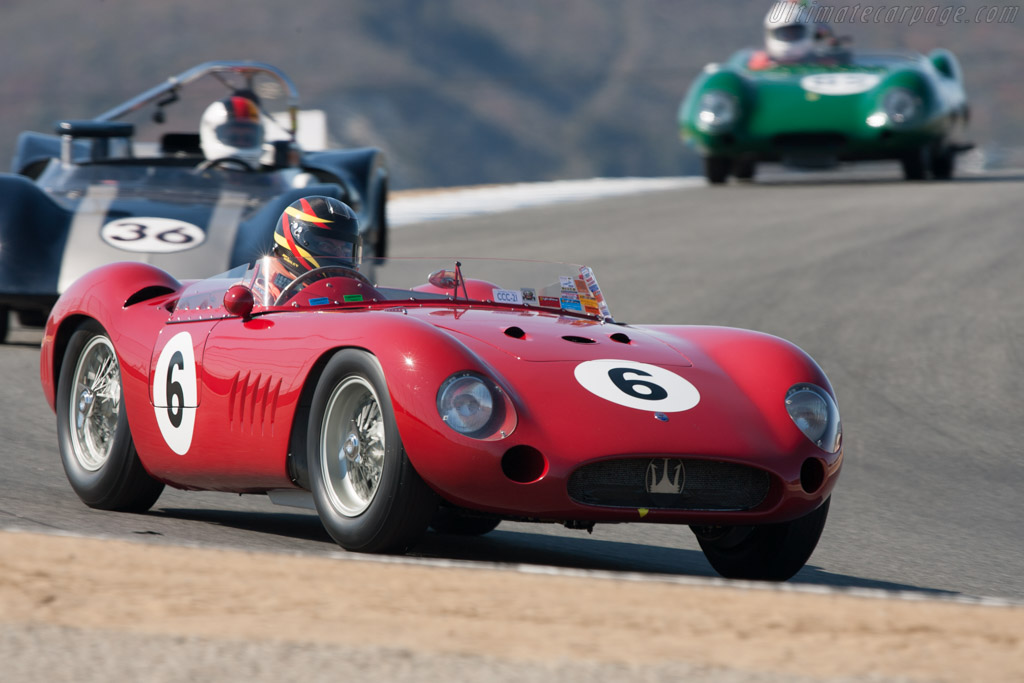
{"type": "Point", "coordinates": [253, 372]}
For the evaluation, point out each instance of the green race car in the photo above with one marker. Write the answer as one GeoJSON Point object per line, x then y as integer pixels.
{"type": "Point", "coordinates": [844, 106]}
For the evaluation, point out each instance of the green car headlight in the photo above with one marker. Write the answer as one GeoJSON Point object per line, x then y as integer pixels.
{"type": "Point", "coordinates": [815, 413]}
{"type": "Point", "coordinates": [902, 106]}
{"type": "Point", "coordinates": [717, 110]}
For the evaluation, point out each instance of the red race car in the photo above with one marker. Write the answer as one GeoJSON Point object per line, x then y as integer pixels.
{"type": "Point", "coordinates": [461, 394]}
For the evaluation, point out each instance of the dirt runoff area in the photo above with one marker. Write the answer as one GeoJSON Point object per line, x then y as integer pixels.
{"type": "Point", "coordinates": [77, 609]}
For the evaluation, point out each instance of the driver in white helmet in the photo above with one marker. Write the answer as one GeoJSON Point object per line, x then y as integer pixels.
{"type": "Point", "coordinates": [231, 129]}
{"type": "Point", "coordinates": [790, 36]}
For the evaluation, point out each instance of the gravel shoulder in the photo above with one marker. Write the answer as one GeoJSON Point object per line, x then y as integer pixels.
{"type": "Point", "coordinates": [94, 609]}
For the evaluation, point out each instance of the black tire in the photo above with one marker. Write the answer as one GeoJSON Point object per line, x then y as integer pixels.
{"type": "Point", "coordinates": [943, 163]}
{"type": "Point", "coordinates": [32, 318]}
{"type": "Point", "coordinates": [367, 494]}
{"type": "Point", "coordinates": [99, 456]}
{"type": "Point", "coordinates": [458, 522]}
{"type": "Point", "coordinates": [716, 169]}
{"type": "Point", "coordinates": [773, 552]}
{"type": "Point", "coordinates": [915, 164]}
{"type": "Point", "coordinates": [744, 169]}
{"type": "Point", "coordinates": [4, 324]}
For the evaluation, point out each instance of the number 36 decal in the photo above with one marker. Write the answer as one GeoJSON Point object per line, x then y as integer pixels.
{"type": "Point", "coordinates": [152, 235]}
{"type": "Point", "coordinates": [637, 385]}
{"type": "Point", "coordinates": [175, 393]}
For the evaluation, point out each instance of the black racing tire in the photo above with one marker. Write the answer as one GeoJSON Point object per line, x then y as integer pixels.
{"type": "Point", "coordinates": [943, 163]}
{"type": "Point", "coordinates": [915, 164]}
{"type": "Point", "coordinates": [93, 436]}
{"type": "Point", "coordinates": [5, 323]}
{"type": "Point", "coordinates": [32, 318]}
{"type": "Point", "coordinates": [772, 552]}
{"type": "Point", "coordinates": [716, 169]}
{"type": "Point", "coordinates": [367, 493]}
{"type": "Point", "coordinates": [458, 522]}
{"type": "Point", "coordinates": [744, 169]}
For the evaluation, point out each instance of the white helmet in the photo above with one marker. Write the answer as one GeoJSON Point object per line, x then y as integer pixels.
{"type": "Point", "coordinates": [788, 32]}
{"type": "Point", "coordinates": [232, 128]}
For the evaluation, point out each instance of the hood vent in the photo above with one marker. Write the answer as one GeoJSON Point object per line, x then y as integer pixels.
{"type": "Point", "coordinates": [621, 338]}
{"type": "Point", "coordinates": [578, 340]}
{"type": "Point", "coordinates": [515, 332]}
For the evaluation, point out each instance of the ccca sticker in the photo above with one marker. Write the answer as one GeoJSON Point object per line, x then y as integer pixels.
{"type": "Point", "coordinates": [637, 385]}
{"type": "Point", "coordinates": [175, 394]}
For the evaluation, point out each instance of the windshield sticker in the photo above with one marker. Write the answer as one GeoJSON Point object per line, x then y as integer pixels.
{"type": "Point", "coordinates": [550, 302]}
{"type": "Point", "coordinates": [507, 296]}
{"type": "Point", "coordinates": [321, 301]}
{"type": "Point", "coordinates": [351, 298]}
{"type": "Point", "coordinates": [637, 385]}
{"type": "Point", "coordinates": [571, 302]}
{"type": "Point", "coordinates": [567, 283]}
{"type": "Point", "coordinates": [142, 234]}
{"type": "Point", "coordinates": [840, 83]}
{"type": "Point", "coordinates": [529, 295]}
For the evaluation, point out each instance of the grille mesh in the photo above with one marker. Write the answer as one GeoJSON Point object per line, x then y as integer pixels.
{"type": "Point", "coordinates": [706, 484]}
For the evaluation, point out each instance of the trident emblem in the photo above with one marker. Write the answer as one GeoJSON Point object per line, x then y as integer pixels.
{"type": "Point", "coordinates": [664, 483]}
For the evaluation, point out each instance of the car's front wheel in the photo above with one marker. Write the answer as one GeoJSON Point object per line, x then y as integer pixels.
{"type": "Point", "coordinates": [367, 494]}
{"type": "Point", "coordinates": [716, 169]}
{"type": "Point", "coordinates": [915, 164]}
{"type": "Point", "coordinates": [95, 442]}
{"type": "Point", "coordinates": [943, 163]}
{"type": "Point", "coordinates": [771, 552]}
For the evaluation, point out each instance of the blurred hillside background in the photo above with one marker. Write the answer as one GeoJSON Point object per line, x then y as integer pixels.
{"type": "Point", "coordinates": [460, 91]}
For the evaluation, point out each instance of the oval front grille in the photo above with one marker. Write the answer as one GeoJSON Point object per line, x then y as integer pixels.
{"type": "Point", "coordinates": [669, 484]}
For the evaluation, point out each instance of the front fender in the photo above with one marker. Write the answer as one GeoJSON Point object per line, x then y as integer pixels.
{"type": "Point", "coordinates": [106, 295]}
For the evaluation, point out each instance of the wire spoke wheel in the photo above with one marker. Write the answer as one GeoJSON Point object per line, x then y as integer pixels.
{"type": "Point", "coordinates": [367, 494]}
{"type": "Point", "coordinates": [95, 440]}
{"type": "Point", "coordinates": [95, 403]}
{"type": "Point", "coordinates": [353, 446]}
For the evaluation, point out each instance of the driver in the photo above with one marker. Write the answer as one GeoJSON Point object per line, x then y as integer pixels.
{"type": "Point", "coordinates": [789, 36]}
{"type": "Point", "coordinates": [313, 232]}
{"type": "Point", "coordinates": [231, 129]}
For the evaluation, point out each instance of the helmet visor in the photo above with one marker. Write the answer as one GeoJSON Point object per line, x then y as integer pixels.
{"type": "Point", "coordinates": [793, 33]}
{"type": "Point", "coordinates": [240, 134]}
{"type": "Point", "coordinates": [327, 251]}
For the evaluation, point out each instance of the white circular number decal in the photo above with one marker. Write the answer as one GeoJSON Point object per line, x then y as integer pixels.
{"type": "Point", "coordinates": [152, 235]}
{"type": "Point", "coordinates": [175, 392]}
{"type": "Point", "coordinates": [840, 83]}
{"type": "Point", "coordinates": [637, 385]}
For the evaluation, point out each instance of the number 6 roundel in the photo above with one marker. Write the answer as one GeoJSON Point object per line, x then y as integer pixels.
{"type": "Point", "coordinates": [175, 392]}
{"type": "Point", "coordinates": [637, 385]}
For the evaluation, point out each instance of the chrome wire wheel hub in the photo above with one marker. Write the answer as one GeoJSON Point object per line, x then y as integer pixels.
{"type": "Point", "coordinates": [352, 446]}
{"type": "Point", "coordinates": [95, 403]}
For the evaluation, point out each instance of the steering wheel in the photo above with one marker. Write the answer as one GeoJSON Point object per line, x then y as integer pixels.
{"type": "Point", "coordinates": [311, 276]}
{"type": "Point", "coordinates": [231, 162]}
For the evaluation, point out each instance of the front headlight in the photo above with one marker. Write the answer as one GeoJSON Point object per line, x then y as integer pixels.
{"type": "Point", "coordinates": [716, 110]}
{"type": "Point", "coordinates": [902, 106]}
{"type": "Point", "coordinates": [816, 414]}
{"type": "Point", "coordinates": [476, 407]}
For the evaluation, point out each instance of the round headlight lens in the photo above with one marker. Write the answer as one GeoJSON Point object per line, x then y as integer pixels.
{"type": "Point", "coordinates": [468, 404]}
{"type": "Point", "coordinates": [901, 105]}
{"type": "Point", "coordinates": [716, 110]}
{"type": "Point", "coordinates": [816, 415]}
